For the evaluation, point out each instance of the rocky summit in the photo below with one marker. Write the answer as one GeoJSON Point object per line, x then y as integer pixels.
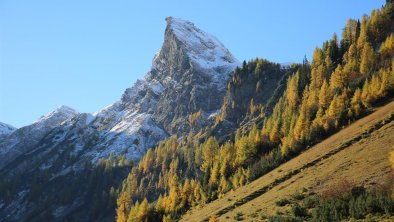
{"type": "Point", "coordinates": [6, 129]}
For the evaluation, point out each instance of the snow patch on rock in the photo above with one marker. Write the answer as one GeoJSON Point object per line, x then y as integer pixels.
{"type": "Point", "coordinates": [6, 129]}
{"type": "Point", "coordinates": [205, 50]}
{"type": "Point", "coordinates": [63, 112]}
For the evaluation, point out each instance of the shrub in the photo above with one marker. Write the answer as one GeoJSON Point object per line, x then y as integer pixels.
{"type": "Point", "coordinates": [311, 201]}
{"type": "Point", "coordinates": [282, 202]}
{"type": "Point", "coordinates": [239, 216]}
{"type": "Point", "coordinates": [298, 196]}
{"type": "Point", "coordinates": [358, 191]}
{"type": "Point", "coordinates": [355, 204]}
{"type": "Point", "coordinates": [299, 211]}
{"type": "Point", "coordinates": [336, 190]}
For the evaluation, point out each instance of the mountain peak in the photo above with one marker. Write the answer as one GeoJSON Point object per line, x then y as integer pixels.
{"type": "Point", "coordinates": [204, 49]}
{"type": "Point", "coordinates": [6, 128]}
{"type": "Point", "coordinates": [60, 113]}
{"type": "Point", "coordinates": [66, 109]}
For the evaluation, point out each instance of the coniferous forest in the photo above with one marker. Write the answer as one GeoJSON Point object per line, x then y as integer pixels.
{"type": "Point", "coordinates": [347, 77]}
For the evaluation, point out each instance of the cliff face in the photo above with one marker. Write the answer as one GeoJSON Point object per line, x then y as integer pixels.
{"type": "Point", "coordinates": [193, 67]}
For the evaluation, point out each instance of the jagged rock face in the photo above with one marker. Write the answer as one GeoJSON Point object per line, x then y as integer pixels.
{"type": "Point", "coordinates": [188, 74]}
{"type": "Point", "coordinates": [193, 68]}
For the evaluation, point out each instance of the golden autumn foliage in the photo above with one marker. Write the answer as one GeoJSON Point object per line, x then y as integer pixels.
{"type": "Point", "coordinates": [344, 80]}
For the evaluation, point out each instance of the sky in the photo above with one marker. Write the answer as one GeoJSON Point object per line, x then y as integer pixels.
{"type": "Point", "coordinates": [84, 54]}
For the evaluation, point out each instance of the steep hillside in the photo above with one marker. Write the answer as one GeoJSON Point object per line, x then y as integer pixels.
{"type": "Point", "coordinates": [250, 94]}
{"type": "Point", "coordinates": [359, 154]}
{"type": "Point", "coordinates": [163, 169]}
{"type": "Point", "coordinates": [345, 80]}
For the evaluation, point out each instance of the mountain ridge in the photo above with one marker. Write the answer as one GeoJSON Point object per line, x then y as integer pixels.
{"type": "Point", "coordinates": [134, 113]}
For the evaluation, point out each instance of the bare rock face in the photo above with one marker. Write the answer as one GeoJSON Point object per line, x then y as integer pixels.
{"type": "Point", "coordinates": [188, 75]}
{"type": "Point", "coordinates": [193, 67]}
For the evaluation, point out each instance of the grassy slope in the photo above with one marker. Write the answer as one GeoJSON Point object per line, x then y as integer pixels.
{"type": "Point", "coordinates": [351, 154]}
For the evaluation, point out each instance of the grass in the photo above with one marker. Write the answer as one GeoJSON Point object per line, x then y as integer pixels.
{"type": "Point", "coordinates": [358, 153]}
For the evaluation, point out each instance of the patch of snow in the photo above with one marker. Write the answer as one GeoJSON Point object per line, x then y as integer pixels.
{"type": "Point", "coordinates": [64, 112]}
{"type": "Point", "coordinates": [156, 87]}
{"type": "Point", "coordinates": [6, 129]}
{"type": "Point", "coordinates": [205, 50]}
{"type": "Point", "coordinates": [22, 193]}
{"type": "Point", "coordinates": [131, 136]}
{"type": "Point", "coordinates": [133, 122]}
{"type": "Point", "coordinates": [61, 173]}
{"type": "Point", "coordinates": [106, 109]}
{"type": "Point", "coordinates": [213, 114]}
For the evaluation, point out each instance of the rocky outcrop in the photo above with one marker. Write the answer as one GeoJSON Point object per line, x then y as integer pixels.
{"type": "Point", "coordinates": [193, 67]}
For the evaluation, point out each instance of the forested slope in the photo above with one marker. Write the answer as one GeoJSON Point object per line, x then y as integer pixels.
{"type": "Point", "coordinates": [355, 156]}
{"type": "Point", "coordinates": [345, 80]}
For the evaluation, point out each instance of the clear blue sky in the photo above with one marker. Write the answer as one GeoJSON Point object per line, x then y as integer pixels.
{"type": "Point", "coordinates": [84, 54]}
